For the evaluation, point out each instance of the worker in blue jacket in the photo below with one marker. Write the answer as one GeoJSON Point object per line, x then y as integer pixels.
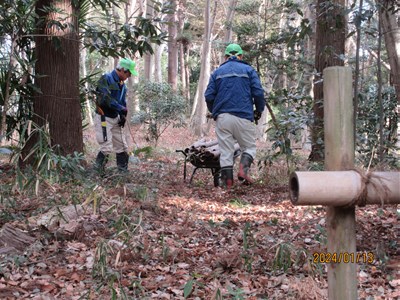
{"type": "Point", "coordinates": [232, 92]}
{"type": "Point", "coordinates": [111, 112]}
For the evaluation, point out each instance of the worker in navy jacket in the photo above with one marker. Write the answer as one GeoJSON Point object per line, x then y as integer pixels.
{"type": "Point", "coordinates": [111, 112]}
{"type": "Point", "coordinates": [232, 92]}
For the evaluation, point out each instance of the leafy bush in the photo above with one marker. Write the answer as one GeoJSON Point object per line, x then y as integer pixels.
{"type": "Point", "coordinates": [160, 107]}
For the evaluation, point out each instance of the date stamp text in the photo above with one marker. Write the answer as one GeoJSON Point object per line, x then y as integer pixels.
{"type": "Point", "coordinates": [343, 257]}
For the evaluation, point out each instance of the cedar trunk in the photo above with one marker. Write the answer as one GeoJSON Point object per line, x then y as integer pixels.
{"type": "Point", "coordinates": [330, 50]}
{"type": "Point", "coordinates": [57, 70]}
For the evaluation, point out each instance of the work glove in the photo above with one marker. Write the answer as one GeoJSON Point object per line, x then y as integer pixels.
{"type": "Point", "coordinates": [124, 112]}
{"type": "Point", "coordinates": [122, 120]}
{"type": "Point", "coordinates": [257, 116]}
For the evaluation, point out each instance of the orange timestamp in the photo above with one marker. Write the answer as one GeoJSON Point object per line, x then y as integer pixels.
{"type": "Point", "coordinates": [343, 257]}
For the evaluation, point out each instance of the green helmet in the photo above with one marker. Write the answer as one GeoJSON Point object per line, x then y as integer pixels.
{"type": "Point", "coordinates": [233, 49]}
{"type": "Point", "coordinates": [129, 65]}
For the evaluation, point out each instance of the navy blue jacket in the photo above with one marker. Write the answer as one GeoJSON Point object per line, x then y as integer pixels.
{"type": "Point", "coordinates": [234, 88]}
{"type": "Point", "coordinates": [111, 93]}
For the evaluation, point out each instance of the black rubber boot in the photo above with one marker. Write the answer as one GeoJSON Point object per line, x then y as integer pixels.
{"type": "Point", "coordinates": [227, 177]}
{"type": "Point", "coordinates": [101, 161]}
{"type": "Point", "coordinates": [245, 162]}
{"type": "Point", "coordinates": [122, 161]}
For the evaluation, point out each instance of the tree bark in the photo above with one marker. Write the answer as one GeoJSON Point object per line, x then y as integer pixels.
{"type": "Point", "coordinates": [6, 103]}
{"type": "Point", "coordinates": [89, 111]}
{"type": "Point", "coordinates": [57, 69]}
{"type": "Point", "coordinates": [149, 58]}
{"type": "Point", "coordinates": [199, 105]}
{"type": "Point", "coordinates": [391, 33]}
{"type": "Point", "coordinates": [228, 27]}
{"type": "Point", "coordinates": [172, 48]}
{"type": "Point", "coordinates": [330, 49]}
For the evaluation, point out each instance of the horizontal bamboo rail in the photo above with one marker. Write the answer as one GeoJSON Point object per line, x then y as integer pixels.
{"type": "Point", "coordinates": [344, 188]}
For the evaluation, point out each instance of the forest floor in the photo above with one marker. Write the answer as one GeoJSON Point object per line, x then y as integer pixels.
{"type": "Point", "coordinates": [150, 235]}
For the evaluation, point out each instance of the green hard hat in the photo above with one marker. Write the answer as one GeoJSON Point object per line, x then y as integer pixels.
{"type": "Point", "coordinates": [129, 65]}
{"type": "Point", "coordinates": [233, 49]}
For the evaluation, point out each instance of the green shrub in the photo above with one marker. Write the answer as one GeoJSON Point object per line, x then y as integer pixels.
{"type": "Point", "coordinates": [160, 107]}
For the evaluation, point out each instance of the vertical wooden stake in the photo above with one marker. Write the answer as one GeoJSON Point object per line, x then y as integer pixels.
{"type": "Point", "coordinates": [339, 156]}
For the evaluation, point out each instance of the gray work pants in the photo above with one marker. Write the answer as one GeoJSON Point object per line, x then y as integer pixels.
{"type": "Point", "coordinates": [231, 129]}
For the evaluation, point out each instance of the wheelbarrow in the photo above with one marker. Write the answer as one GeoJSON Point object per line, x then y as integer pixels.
{"type": "Point", "coordinates": [199, 163]}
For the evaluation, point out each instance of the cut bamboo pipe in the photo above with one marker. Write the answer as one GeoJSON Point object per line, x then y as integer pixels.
{"type": "Point", "coordinates": [344, 188]}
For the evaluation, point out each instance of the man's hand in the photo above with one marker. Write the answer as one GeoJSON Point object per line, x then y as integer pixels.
{"type": "Point", "coordinates": [257, 116]}
{"type": "Point", "coordinates": [122, 120]}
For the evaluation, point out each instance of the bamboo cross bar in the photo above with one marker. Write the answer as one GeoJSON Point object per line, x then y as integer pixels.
{"type": "Point", "coordinates": [344, 188]}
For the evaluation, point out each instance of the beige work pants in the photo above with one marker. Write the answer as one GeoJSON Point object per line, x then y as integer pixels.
{"type": "Point", "coordinates": [116, 136]}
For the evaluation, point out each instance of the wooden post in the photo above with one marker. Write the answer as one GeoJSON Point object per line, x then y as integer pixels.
{"type": "Point", "coordinates": [339, 155]}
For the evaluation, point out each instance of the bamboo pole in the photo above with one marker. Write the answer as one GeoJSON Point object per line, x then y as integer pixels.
{"type": "Point", "coordinates": [339, 155]}
{"type": "Point", "coordinates": [344, 188]}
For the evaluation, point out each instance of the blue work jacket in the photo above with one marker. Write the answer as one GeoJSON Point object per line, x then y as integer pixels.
{"type": "Point", "coordinates": [111, 93]}
{"type": "Point", "coordinates": [234, 88]}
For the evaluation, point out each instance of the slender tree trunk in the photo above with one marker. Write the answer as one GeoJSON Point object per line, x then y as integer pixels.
{"type": "Point", "coordinates": [172, 48]}
{"type": "Point", "coordinates": [228, 27]}
{"type": "Point", "coordinates": [157, 63]}
{"type": "Point", "coordinates": [357, 69]}
{"type": "Point", "coordinates": [390, 21]}
{"type": "Point", "coordinates": [199, 105]}
{"type": "Point", "coordinates": [3, 125]}
{"type": "Point", "coordinates": [330, 48]}
{"type": "Point", "coordinates": [149, 58]}
{"type": "Point", "coordinates": [182, 46]}
{"type": "Point", "coordinates": [187, 74]}
{"type": "Point", "coordinates": [89, 111]}
{"type": "Point", "coordinates": [379, 92]}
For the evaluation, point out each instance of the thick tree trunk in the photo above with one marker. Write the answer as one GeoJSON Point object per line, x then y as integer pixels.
{"type": "Point", "coordinates": [330, 48]}
{"type": "Point", "coordinates": [57, 69]}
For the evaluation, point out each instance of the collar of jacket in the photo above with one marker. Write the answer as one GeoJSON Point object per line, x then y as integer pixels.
{"type": "Point", "coordinates": [116, 78]}
{"type": "Point", "coordinates": [234, 59]}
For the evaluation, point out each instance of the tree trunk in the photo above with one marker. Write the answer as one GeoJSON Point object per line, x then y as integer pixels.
{"type": "Point", "coordinates": [6, 103]}
{"type": "Point", "coordinates": [183, 42]}
{"type": "Point", "coordinates": [157, 62]}
{"type": "Point", "coordinates": [172, 48]}
{"type": "Point", "coordinates": [330, 48]}
{"type": "Point", "coordinates": [391, 34]}
{"type": "Point", "coordinates": [149, 58]}
{"type": "Point", "coordinates": [89, 111]}
{"type": "Point", "coordinates": [57, 70]}
{"type": "Point", "coordinates": [228, 27]}
{"type": "Point", "coordinates": [199, 105]}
